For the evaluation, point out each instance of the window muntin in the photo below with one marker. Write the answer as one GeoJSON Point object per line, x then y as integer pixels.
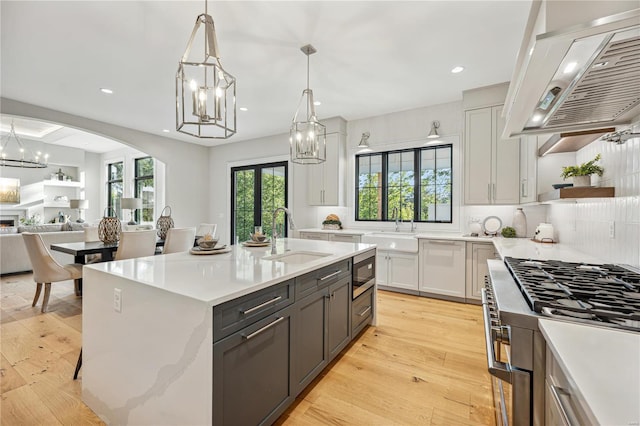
{"type": "Point", "coordinates": [387, 183]}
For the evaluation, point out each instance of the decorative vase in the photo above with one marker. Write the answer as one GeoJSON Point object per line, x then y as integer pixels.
{"type": "Point", "coordinates": [582, 180]}
{"type": "Point", "coordinates": [163, 223]}
{"type": "Point", "coordinates": [520, 223]}
{"type": "Point", "coordinates": [109, 227]}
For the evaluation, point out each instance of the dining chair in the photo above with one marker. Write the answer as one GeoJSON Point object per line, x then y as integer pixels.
{"type": "Point", "coordinates": [206, 228]}
{"type": "Point", "coordinates": [136, 244]}
{"type": "Point", "coordinates": [47, 270]}
{"type": "Point", "coordinates": [179, 239]}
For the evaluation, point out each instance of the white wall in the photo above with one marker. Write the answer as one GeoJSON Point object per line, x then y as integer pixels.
{"type": "Point", "coordinates": [585, 224]}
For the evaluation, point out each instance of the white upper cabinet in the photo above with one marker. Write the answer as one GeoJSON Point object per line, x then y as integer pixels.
{"type": "Point", "coordinates": [325, 179]}
{"type": "Point", "coordinates": [492, 164]}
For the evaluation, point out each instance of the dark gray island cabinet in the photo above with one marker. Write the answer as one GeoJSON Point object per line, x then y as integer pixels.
{"type": "Point", "coordinates": [225, 339]}
{"type": "Point", "coordinates": [270, 345]}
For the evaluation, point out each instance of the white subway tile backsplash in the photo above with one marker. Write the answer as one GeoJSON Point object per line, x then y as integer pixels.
{"type": "Point", "coordinates": [585, 224]}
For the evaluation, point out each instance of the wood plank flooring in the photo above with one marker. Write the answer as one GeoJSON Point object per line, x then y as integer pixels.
{"type": "Point", "coordinates": [423, 365]}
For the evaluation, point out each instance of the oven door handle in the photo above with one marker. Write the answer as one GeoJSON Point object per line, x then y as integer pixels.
{"type": "Point", "coordinates": [496, 368]}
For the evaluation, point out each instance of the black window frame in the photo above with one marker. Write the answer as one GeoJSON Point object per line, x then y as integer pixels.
{"type": "Point", "coordinates": [257, 191]}
{"type": "Point", "coordinates": [136, 179]}
{"type": "Point", "coordinates": [110, 183]}
{"type": "Point", "coordinates": [416, 184]}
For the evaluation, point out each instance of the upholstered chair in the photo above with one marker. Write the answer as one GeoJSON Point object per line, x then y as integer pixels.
{"type": "Point", "coordinates": [46, 270]}
{"type": "Point", "coordinates": [136, 244]}
{"type": "Point", "coordinates": [91, 235]}
{"type": "Point", "coordinates": [179, 239]}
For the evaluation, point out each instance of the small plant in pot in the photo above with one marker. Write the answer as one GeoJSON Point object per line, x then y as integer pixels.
{"type": "Point", "coordinates": [582, 174]}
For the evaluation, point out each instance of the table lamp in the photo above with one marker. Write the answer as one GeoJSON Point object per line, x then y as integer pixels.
{"type": "Point", "coordinates": [79, 205]}
{"type": "Point", "coordinates": [132, 204]}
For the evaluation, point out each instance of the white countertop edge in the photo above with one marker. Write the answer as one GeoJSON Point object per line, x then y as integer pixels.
{"type": "Point", "coordinates": [582, 351]}
{"type": "Point", "coordinates": [132, 265]}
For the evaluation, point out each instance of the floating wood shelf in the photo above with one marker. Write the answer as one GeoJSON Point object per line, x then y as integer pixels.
{"type": "Point", "coordinates": [577, 192]}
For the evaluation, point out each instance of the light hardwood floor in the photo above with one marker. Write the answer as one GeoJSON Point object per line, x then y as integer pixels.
{"type": "Point", "coordinates": [424, 364]}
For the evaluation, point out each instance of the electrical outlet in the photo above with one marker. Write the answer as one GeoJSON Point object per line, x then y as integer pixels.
{"type": "Point", "coordinates": [117, 300]}
{"type": "Point", "coordinates": [612, 229]}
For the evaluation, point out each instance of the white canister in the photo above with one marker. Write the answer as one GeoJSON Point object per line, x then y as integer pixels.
{"type": "Point", "coordinates": [520, 223]}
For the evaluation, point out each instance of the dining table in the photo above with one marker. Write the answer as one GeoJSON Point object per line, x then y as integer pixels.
{"type": "Point", "coordinates": [80, 250]}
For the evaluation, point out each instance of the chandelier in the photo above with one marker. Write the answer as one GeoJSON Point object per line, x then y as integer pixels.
{"type": "Point", "coordinates": [307, 139]}
{"type": "Point", "coordinates": [205, 92]}
{"type": "Point", "coordinates": [23, 157]}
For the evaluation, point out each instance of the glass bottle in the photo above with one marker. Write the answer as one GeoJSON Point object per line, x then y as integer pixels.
{"type": "Point", "coordinates": [520, 223]}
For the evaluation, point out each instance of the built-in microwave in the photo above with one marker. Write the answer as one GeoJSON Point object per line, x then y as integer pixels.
{"type": "Point", "coordinates": [364, 272]}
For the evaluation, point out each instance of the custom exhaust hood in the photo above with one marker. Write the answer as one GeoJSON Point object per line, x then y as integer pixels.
{"type": "Point", "coordinates": [572, 77]}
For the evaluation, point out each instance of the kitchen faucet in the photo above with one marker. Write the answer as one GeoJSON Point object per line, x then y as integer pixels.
{"type": "Point", "coordinates": [274, 233]}
{"type": "Point", "coordinates": [395, 214]}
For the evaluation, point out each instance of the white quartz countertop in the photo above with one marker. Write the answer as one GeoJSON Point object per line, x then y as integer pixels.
{"type": "Point", "coordinates": [603, 364]}
{"type": "Point", "coordinates": [215, 279]}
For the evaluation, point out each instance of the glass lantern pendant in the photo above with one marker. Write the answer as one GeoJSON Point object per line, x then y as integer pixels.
{"type": "Point", "coordinates": [205, 92]}
{"type": "Point", "coordinates": [307, 139]}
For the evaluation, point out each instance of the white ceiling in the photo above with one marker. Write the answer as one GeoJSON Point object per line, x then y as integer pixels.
{"type": "Point", "coordinates": [374, 57]}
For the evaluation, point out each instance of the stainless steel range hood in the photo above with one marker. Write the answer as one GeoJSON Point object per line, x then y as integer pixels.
{"type": "Point", "coordinates": [576, 78]}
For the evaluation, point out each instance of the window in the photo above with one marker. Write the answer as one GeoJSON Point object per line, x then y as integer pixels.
{"type": "Point", "coordinates": [144, 188]}
{"type": "Point", "coordinates": [256, 191]}
{"type": "Point", "coordinates": [388, 187]}
{"type": "Point", "coordinates": [114, 187]}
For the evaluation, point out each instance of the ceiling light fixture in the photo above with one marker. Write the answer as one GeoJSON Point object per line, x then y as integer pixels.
{"type": "Point", "coordinates": [166, 130]}
{"type": "Point", "coordinates": [317, 103]}
{"type": "Point", "coordinates": [364, 141]}
{"type": "Point", "coordinates": [106, 91]}
{"type": "Point", "coordinates": [244, 109]}
{"type": "Point", "coordinates": [457, 69]}
{"type": "Point", "coordinates": [307, 139]}
{"type": "Point", "coordinates": [205, 92]}
{"type": "Point", "coordinates": [34, 161]}
{"type": "Point", "coordinates": [435, 125]}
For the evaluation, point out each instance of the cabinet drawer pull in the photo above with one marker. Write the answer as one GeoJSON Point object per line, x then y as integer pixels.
{"type": "Point", "coordinates": [262, 305]}
{"type": "Point", "coordinates": [365, 312]}
{"type": "Point", "coordinates": [568, 418]}
{"type": "Point", "coordinates": [489, 192]}
{"type": "Point", "coordinates": [330, 275]}
{"type": "Point", "coordinates": [265, 328]}
{"type": "Point", "coordinates": [444, 242]}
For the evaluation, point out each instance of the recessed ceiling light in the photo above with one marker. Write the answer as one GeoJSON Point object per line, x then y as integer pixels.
{"type": "Point", "coordinates": [536, 118]}
{"type": "Point", "coordinates": [107, 91]}
{"type": "Point", "coordinates": [166, 130]}
{"type": "Point", "coordinates": [457, 69]}
{"type": "Point", "coordinates": [244, 109]}
{"type": "Point", "coordinates": [316, 103]}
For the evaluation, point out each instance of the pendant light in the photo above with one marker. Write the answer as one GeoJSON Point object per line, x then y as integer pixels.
{"type": "Point", "coordinates": [22, 156]}
{"type": "Point", "coordinates": [205, 92]}
{"type": "Point", "coordinates": [307, 139]}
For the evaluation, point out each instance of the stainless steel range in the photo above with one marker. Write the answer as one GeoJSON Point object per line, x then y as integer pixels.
{"type": "Point", "coordinates": [517, 293]}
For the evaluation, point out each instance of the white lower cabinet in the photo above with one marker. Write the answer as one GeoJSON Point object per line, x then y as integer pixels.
{"type": "Point", "coordinates": [442, 268]}
{"type": "Point", "coordinates": [314, 236]}
{"type": "Point", "coordinates": [477, 268]}
{"type": "Point", "coordinates": [329, 236]}
{"type": "Point", "coordinates": [346, 238]}
{"type": "Point", "coordinates": [397, 269]}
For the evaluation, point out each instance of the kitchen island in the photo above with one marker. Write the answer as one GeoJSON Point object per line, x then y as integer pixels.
{"type": "Point", "coordinates": [226, 338]}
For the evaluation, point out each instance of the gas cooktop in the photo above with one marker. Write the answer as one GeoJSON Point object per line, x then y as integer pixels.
{"type": "Point", "coordinates": [606, 294]}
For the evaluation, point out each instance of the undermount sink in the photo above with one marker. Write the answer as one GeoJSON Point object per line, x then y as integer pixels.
{"type": "Point", "coordinates": [297, 257]}
{"type": "Point", "coordinates": [396, 241]}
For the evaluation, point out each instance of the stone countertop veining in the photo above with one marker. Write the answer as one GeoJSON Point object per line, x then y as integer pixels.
{"type": "Point", "coordinates": [215, 279]}
{"type": "Point", "coordinates": [604, 366]}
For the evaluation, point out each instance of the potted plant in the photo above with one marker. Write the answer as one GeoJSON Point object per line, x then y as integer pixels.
{"type": "Point", "coordinates": [582, 174]}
